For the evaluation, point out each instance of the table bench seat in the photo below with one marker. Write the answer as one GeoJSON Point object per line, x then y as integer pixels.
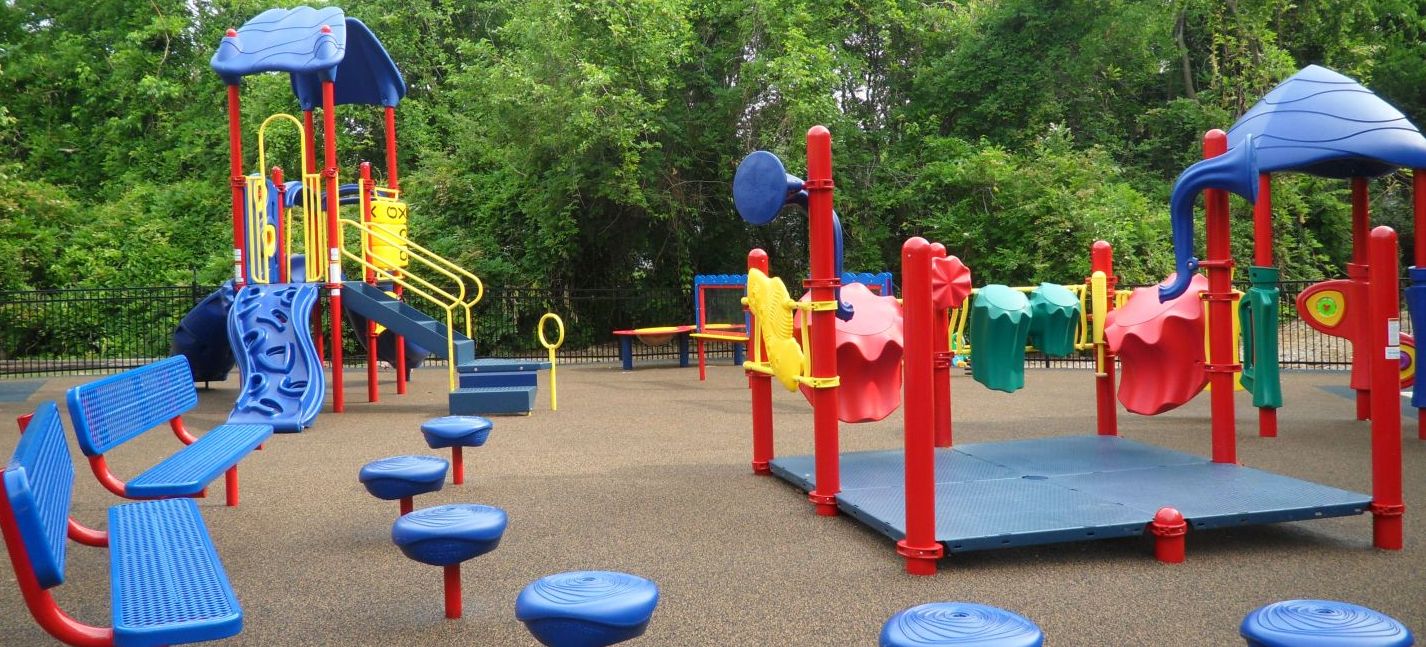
{"type": "Point", "coordinates": [167, 583]}
{"type": "Point", "coordinates": [189, 470]}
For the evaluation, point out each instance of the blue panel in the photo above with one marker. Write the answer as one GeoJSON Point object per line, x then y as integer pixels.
{"type": "Point", "coordinates": [492, 399]}
{"type": "Point", "coordinates": [498, 378]}
{"type": "Point", "coordinates": [1214, 495]}
{"type": "Point", "coordinates": [110, 411]}
{"type": "Point", "coordinates": [283, 383]}
{"type": "Point", "coordinates": [1075, 455]}
{"type": "Point", "coordinates": [502, 365]}
{"type": "Point", "coordinates": [283, 40]}
{"type": "Point", "coordinates": [39, 484]}
{"type": "Point", "coordinates": [1321, 122]}
{"type": "Point", "coordinates": [191, 469]}
{"type": "Point", "coordinates": [168, 585]}
{"type": "Point", "coordinates": [1001, 513]}
{"type": "Point", "coordinates": [366, 76]}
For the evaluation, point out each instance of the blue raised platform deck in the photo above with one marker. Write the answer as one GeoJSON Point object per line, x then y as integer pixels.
{"type": "Point", "coordinates": [1069, 488]}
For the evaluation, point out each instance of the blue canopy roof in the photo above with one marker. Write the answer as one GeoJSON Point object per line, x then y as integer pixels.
{"type": "Point", "coordinates": [1324, 123]}
{"type": "Point", "coordinates": [293, 41]}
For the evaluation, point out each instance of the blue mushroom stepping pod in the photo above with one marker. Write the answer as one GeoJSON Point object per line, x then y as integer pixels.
{"type": "Point", "coordinates": [587, 608]}
{"type": "Point", "coordinates": [456, 432]}
{"type": "Point", "coordinates": [959, 624]}
{"type": "Point", "coordinates": [447, 535]}
{"type": "Point", "coordinates": [403, 477]}
{"type": "Point", "coordinates": [1322, 623]}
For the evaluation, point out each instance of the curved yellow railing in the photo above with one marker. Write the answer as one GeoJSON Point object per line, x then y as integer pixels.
{"type": "Point", "coordinates": [559, 323]}
{"type": "Point", "coordinates": [314, 228]}
{"type": "Point", "coordinates": [443, 298]}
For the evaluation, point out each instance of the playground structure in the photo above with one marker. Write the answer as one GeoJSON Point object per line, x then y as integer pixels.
{"type": "Point", "coordinates": [1321, 122]}
{"type": "Point", "coordinates": [290, 239]}
{"type": "Point", "coordinates": [933, 498]}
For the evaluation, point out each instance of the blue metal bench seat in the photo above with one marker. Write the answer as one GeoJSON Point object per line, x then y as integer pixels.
{"type": "Point", "coordinates": [114, 410]}
{"type": "Point", "coordinates": [167, 584]}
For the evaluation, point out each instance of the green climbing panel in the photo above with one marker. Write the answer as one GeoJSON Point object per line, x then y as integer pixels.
{"type": "Point", "coordinates": [1258, 312]}
{"type": "Point", "coordinates": [999, 328]}
{"type": "Point", "coordinates": [1054, 319]}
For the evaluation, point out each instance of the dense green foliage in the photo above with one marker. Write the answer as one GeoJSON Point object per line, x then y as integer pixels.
{"type": "Point", "coordinates": [591, 143]}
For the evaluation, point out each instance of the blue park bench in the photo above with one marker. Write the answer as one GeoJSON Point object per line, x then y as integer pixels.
{"type": "Point", "coordinates": [191, 602]}
{"type": "Point", "coordinates": [114, 410]}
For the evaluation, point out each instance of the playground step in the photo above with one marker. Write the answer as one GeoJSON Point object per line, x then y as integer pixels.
{"type": "Point", "coordinates": [501, 365]}
{"type": "Point", "coordinates": [498, 378]}
{"type": "Point", "coordinates": [374, 303]}
{"type": "Point", "coordinates": [492, 399]}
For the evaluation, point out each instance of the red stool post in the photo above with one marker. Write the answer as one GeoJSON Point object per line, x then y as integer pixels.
{"type": "Point", "coordinates": [452, 579]}
{"type": "Point", "coordinates": [1168, 528]}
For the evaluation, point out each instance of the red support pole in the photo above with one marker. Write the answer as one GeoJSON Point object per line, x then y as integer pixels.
{"type": "Point", "coordinates": [391, 148]}
{"type": "Point", "coordinates": [1101, 259]}
{"type": "Point", "coordinates": [400, 354]}
{"type": "Point", "coordinates": [334, 237]}
{"type": "Point", "coordinates": [373, 394]}
{"type": "Point", "coordinates": [457, 465]}
{"type": "Point", "coordinates": [1357, 272]}
{"type": "Point", "coordinates": [310, 128]}
{"type": "Point", "coordinates": [236, 182]}
{"type": "Point", "coordinates": [282, 251]}
{"type": "Point", "coordinates": [941, 346]}
{"type": "Point", "coordinates": [823, 286]}
{"type": "Point", "coordinates": [1263, 257]}
{"type": "Point", "coordinates": [1384, 325]}
{"type": "Point", "coordinates": [919, 548]}
{"type": "Point", "coordinates": [453, 604]}
{"type": "Point", "coordinates": [760, 384]}
{"type": "Point", "coordinates": [1220, 300]}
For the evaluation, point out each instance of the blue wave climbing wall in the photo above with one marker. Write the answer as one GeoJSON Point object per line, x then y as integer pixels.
{"type": "Point", "coordinates": [283, 384]}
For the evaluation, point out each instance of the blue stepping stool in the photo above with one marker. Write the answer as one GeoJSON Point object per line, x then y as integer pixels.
{"type": "Point", "coordinates": [587, 608]}
{"type": "Point", "coordinates": [403, 477]}
{"type": "Point", "coordinates": [456, 432]}
{"type": "Point", "coordinates": [447, 535]}
{"type": "Point", "coordinates": [959, 624]}
{"type": "Point", "coordinates": [1322, 623]}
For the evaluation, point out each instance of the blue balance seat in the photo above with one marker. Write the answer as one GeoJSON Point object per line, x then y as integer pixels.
{"type": "Point", "coordinates": [587, 608]}
{"type": "Point", "coordinates": [959, 624]}
{"type": "Point", "coordinates": [1322, 623]}
{"type": "Point", "coordinates": [449, 534]}
{"type": "Point", "coordinates": [399, 477]}
{"type": "Point", "coordinates": [456, 431]}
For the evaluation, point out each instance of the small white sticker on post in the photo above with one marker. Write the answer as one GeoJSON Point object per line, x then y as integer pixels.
{"type": "Point", "coordinates": [1393, 339]}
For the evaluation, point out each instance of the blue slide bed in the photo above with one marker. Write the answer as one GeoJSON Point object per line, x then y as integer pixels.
{"type": "Point", "coordinates": [283, 383]}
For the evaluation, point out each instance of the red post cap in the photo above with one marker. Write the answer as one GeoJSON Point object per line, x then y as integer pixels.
{"type": "Point", "coordinates": [326, 29]}
{"type": "Point", "coordinates": [232, 32]}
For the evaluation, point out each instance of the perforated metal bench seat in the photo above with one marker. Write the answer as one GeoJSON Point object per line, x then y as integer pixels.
{"type": "Point", "coordinates": [167, 583]}
{"type": "Point", "coordinates": [188, 471]}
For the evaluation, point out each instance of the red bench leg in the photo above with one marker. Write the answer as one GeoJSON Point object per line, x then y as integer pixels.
{"type": "Point", "coordinates": [453, 591]}
{"type": "Point", "coordinates": [457, 465]}
{"type": "Point", "coordinates": [230, 480]}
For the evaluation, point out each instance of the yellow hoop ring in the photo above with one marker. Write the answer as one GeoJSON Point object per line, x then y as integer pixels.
{"type": "Point", "coordinates": [540, 332]}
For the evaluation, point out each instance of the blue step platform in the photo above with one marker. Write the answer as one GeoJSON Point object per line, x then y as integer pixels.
{"type": "Point", "coordinates": [1068, 488]}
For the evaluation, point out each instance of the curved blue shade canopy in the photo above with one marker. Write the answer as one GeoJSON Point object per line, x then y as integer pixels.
{"type": "Point", "coordinates": [1324, 123]}
{"type": "Point", "coordinates": [291, 40]}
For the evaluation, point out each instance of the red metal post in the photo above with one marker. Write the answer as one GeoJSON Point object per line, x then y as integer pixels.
{"type": "Point", "coordinates": [1101, 259]}
{"type": "Point", "coordinates": [393, 183]}
{"type": "Point", "coordinates": [698, 323]}
{"type": "Point", "coordinates": [941, 346]}
{"type": "Point", "coordinates": [1357, 272]}
{"type": "Point", "coordinates": [453, 603]}
{"type": "Point", "coordinates": [919, 548]}
{"type": "Point", "coordinates": [823, 286]}
{"type": "Point", "coordinates": [282, 251]}
{"type": "Point", "coordinates": [334, 237]}
{"type": "Point", "coordinates": [760, 384]}
{"type": "Point", "coordinates": [309, 126]}
{"type": "Point", "coordinates": [1418, 201]}
{"type": "Point", "coordinates": [236, 181]}
{"type": "Point", "coordinates": [457, 465]}
{"type": "Point", "coordinates": [1263, 257]}
{"type": "Point", "coordinates": [369, 275]}
{"type": "Point", "coordinates": [1220, 300]}
{"type": "Point", "coordinates": [1168, 529]}
{"type": "Point", "coordinates": [400, 353]}
{"type": "Point", "coordinates": [1385, 339]}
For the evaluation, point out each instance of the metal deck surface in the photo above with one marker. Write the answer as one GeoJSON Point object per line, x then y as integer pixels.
{"type": "Point", "coordinates": [1069, 488]}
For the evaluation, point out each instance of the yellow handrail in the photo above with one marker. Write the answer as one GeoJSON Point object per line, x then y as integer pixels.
{"type": "Point", "coordinates": [554, 403]}
{"type": "Point", "coordinates": [422, 287]}
{"type": "Point", "coordinates": [314, 227]}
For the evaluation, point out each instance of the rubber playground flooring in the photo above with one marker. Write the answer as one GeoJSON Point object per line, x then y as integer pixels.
{"type": "Point", "coordinates": [648, 472]}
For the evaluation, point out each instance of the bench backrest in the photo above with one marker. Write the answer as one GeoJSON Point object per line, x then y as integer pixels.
{"type": "Point", "coordinates": [109, 412]}
{"type": "Point", "coordinates": [38, 484]}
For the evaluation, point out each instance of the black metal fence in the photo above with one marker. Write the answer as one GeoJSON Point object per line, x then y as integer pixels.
{"type": "Point", "coordinates": [107, 330]}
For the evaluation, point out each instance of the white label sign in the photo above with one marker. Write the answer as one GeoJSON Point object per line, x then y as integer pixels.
{"type": "Point", "coordinates": [1393, 339]}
